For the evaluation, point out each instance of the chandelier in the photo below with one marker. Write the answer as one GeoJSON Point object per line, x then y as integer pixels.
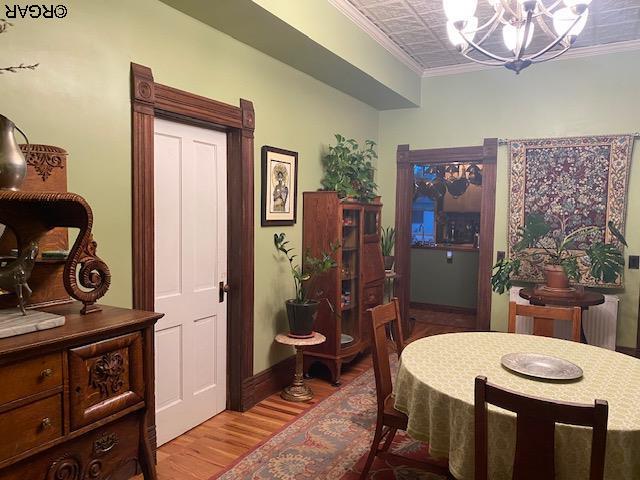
{"type": "Point", "coordinates": [561, 20]}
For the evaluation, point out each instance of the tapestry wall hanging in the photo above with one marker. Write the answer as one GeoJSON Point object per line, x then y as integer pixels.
{"type": "Point", "coordinates": [572, 182]}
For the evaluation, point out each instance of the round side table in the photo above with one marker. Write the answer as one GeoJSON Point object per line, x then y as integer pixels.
{"type": "Point", "coordinates": [583, 299]}
{"type": "Point", "coordinates": [299, 391]}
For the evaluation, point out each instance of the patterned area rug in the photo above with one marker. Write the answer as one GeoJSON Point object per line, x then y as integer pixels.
{"type": "Point", "coordinates": [329, 442]}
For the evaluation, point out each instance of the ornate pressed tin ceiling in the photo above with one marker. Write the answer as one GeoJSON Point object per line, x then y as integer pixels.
{"type": "Point", "coordinates": [418, 28]}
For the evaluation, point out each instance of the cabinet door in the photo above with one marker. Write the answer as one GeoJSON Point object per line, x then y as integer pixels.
{"type": "Point", "coordinates": [105, 378]}
{"type": "Point", "coordinates": [371, 226]}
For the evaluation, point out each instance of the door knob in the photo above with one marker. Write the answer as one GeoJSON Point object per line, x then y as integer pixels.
{"type": "Point", "coordinates": [223, 288]}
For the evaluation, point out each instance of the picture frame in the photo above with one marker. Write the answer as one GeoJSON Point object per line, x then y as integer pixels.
{"type": "Point", "coordinates": [279, 187]}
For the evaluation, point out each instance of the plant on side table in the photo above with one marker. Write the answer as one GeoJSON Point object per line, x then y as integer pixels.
{"type": "Point", "coordinates": [387, 241]}
{"type": "Point", "coordinates": [349, 170]}
{"type": "Point", "coordinates": [540, 243]}
{"type": "Point", "coordinates": [302, 310]}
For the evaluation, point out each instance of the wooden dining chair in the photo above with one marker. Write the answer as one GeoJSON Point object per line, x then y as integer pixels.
{"type": "Point", "coordinates": [535, 431]}
{"type": "Point", "coordinates": [389, 420]}
{"type": "Point", "coordinates": [543, 318]}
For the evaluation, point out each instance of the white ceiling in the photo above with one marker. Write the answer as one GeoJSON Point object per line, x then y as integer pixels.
{"type": "Point", "coordinates": [417, 28]}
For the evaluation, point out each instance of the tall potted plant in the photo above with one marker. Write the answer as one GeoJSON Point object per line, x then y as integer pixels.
{"type": "Point", "coordinates": [302, 310]}
{"type": "Point", "coordinates": [348, 169]}
{"type": "Point", "coordinates": [555, 248]}
{"type": "Point", "coordinates": [387, 241]}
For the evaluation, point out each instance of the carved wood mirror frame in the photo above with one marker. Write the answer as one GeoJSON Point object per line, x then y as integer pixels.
{"type": "Point", "coordinates": [148, 101]}
{"type": "Point", "coordinates": [486, 155]}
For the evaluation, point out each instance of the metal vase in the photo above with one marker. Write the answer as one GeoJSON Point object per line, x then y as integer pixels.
{"type": "Point", "coordinates": [13, 166]}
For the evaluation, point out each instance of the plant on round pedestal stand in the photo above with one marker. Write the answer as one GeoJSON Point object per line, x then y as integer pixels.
{"type": "Point", "coordinates": [302, 310]}
{"type": "Point", "coordinates": [387, 241]}
{"type": "Point", "coordinates": [348, 170]}
{"type": "Point", "coordinates": [554, 246]}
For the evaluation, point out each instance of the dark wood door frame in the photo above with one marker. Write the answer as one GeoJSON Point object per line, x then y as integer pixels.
{"type": "Point", "coordinates": [487, 154]}
{"type": "Point", "coordinates": [148, 101]}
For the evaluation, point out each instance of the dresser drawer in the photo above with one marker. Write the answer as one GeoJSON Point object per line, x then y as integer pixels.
{"type": "Point", "coordinates": [110, 452]}
{"type": "Point", "coordinates": [29, 426]}
{"type": "Point", "coordinates": [372, 296]}
{"type": "Point", "coordinates": [21, 379]}
{"type": "Point", "coordinates": [105, 378]}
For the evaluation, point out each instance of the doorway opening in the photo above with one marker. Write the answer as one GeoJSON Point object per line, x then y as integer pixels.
{"type": "Point", "coordinates": [445, 244]}
{"type": "Point", "coordinates": [445, 212]}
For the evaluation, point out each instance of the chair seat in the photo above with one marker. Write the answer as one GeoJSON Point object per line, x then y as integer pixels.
{"type": "Point", "coordinates": [392, 417]}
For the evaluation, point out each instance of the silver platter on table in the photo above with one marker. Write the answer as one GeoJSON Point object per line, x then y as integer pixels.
{"type": "Point", "coordinates": [541, 366]}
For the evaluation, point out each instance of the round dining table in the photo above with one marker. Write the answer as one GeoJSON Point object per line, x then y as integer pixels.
{"type": "Point", "coordinates": [435, 388]}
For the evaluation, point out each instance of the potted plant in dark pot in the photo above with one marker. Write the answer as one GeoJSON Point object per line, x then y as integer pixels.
{"type": "Point", "coordinates": [552, 245]}
{"type": "Point", "coordinates": [302, 310]}
{"type": "Point", "coordinates": [387, 241]}
{"type": "Point", "coordinates": [349, 171]}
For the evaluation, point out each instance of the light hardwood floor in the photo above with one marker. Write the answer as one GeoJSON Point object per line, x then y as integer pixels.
{"type": "Point", "coordinates": [209, 448]}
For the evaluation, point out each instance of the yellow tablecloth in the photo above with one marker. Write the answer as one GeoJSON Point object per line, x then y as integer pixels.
{"type": "Point", "coordinates": [435, 388]}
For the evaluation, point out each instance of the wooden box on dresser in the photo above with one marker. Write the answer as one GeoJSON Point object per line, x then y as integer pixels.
{"type": "Point", "coordinates": [77, 401]}
{"type": "Point", "coordinates": [354, 286]}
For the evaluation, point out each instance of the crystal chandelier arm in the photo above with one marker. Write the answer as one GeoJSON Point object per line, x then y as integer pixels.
{"type": "Point", "coordinates": [551, 57]}
{"type": "Point", "coordinates": [545, 28]}
{"type": "Point", "coordinates": [482, 62]}
{"type": "Point", "coordinates": [521, 46]}
{"type": "Point", "coordinates": [506, 4]}
{"type": "Point", "coordinates": [488, 33]}
{"type": "Point", "coordinates": [492, 21]}
{"type": "Point", "coordinates": [557, 41]}
{"type": "Point", "coordinates": [482, 50]}
{"type": "Point", "coordinates": [547, 10]}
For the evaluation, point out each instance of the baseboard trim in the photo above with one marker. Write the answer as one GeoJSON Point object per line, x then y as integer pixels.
{"type": "Point", "coordinates": [266, 383]}
{"type": "Point", "coordinates": [443, 308]}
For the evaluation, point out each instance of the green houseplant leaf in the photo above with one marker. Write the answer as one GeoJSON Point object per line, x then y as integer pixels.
{"type": "Point", "coordinates": [349, 170]}
{"type": "Point", "coordinates": [387, 241]}
{"type": "Point", "coordinates": [313, 266]}
{"type": "Point", "coordinates": [607, 262]}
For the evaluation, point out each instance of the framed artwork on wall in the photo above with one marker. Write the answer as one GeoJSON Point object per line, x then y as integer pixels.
{"type": "Point", "coordinates": [279, 187]}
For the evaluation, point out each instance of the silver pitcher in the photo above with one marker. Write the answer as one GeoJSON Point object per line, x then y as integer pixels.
{"type": "Point", "coordinates": [13, 166]}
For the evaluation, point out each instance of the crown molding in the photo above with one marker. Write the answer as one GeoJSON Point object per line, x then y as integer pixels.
{"type": "Point", "coordinates": [370, 28]}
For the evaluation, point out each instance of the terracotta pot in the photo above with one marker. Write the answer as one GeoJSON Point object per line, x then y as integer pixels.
{"type": "Point", "coordinates": [556, 277]}
{"type": "Point", "coordinates": [388, 262]}
{"type": "Point", "coordinates": [301, 317]}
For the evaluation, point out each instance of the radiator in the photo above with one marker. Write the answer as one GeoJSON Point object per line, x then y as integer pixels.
{"type": "Point", "coordinates": [600, 323]}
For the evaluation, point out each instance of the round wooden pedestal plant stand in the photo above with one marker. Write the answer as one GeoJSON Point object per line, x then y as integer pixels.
{"type": "Point", "coordinates": [299, 391]}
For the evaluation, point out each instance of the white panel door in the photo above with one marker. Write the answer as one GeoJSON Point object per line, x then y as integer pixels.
{"type": "Point", "coordinates": [190, 261]}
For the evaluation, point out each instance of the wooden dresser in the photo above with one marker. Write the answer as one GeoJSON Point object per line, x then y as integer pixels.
{"type": "Point", "coordinates": [77, 401]}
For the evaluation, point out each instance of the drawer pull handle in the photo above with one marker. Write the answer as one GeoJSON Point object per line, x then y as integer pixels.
{"type": "Point", "coordinates": [45, 423]}
{"type": "Point", "coordinates": [46, 373]}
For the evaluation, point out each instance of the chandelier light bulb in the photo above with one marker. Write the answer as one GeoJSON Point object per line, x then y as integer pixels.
{"type": "Point", "coordinates": [469, 28]}
{"type": "Point", "coordinates": [457, 10]}
{"type": "Point", "coordinates": [511, 35]}
{"type": "Point", "coordinates": [564, 19]}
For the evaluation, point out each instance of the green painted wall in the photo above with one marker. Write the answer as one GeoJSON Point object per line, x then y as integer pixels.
{"type": "Point", "coordinates": [435, 281]}
{"type": "Point", "coordinates": [595, 95]}
{"type": "Point", "coordinates": [79, 99]}
{"type": "Point", "coordinates": [326, 45]}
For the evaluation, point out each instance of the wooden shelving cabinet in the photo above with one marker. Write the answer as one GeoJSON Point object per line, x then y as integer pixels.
{"type": "Point", "coordinates": [354, 286]}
